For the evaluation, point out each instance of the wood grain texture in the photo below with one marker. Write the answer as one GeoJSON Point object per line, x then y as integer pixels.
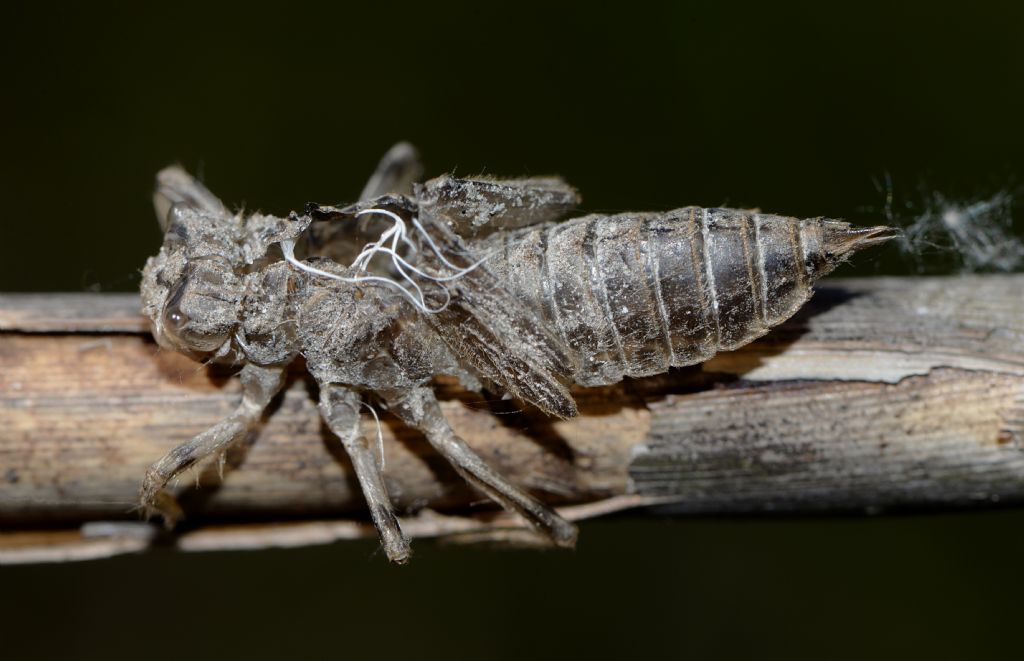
{"type": "Point", "coordinates": [881, 393]}
{"type": "Point", "coordinates": [939, 439]}
{"type": "Point", "coordinates": [71, 313]}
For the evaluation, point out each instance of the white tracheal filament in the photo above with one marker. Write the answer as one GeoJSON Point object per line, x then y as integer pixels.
{"type": "Point", "coordinates": [380, 433]}
{"type": "Point", "coordinates": [394, 235]}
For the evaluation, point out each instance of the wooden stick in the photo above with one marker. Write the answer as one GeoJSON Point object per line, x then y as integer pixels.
{"type": "Point", "coordinates": [881, 393]}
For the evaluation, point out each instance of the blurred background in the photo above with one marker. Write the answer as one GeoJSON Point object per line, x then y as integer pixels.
{"type": "Point", "coordinates": [862, 111]}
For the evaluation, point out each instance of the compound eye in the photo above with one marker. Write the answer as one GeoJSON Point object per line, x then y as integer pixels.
{"type": "Point", "coordinates": [194, 318]}
{"type": "Point", "coordinates": [174, 318]}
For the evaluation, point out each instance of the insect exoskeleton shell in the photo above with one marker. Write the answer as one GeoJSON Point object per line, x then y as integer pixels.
{"type": "Point", "coordinates": [635, 293]}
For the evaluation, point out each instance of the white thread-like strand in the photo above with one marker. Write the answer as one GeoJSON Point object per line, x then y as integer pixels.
{"type": "Point", "coordinates": [399, 234]}
{"type": "Point", "coordinates": [288, 250]}
{"type": "Point", "coordinates": [396, 233]}
{"type": "Point", "coordinates": [380, 433]}
{"type": "Point", "coordinates": [397, 230]}
{"type": "Point", "coordinates": [433, 246]}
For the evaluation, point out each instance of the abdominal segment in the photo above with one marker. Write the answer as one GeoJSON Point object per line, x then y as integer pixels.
{"type": "Point", "coordinates": [633, 294]}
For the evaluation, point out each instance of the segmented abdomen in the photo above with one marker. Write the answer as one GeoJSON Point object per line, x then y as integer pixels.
{"type": "Point", "coordinates": [633, 294]}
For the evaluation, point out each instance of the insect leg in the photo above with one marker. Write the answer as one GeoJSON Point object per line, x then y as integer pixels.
{"type": "Point", "coordinates": [393, 179]}
{"type": "Point", "coordinates": [339, 407]}
{"type": "Point", "coordinates": [395, 173]}
{"type": "Point", "coordinates": [175, 186]}
{"type": "Point", "coordinates": [418, 408]}
{"type": "Point", "coordinates": [259, 385]}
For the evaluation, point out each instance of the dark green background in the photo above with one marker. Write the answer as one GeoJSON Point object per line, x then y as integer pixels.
{"type": "Point", "coordinates": [793, 108]}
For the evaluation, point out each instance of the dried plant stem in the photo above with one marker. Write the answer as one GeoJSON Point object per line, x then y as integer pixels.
{"type": "Point", "coordinates": [881, 393]}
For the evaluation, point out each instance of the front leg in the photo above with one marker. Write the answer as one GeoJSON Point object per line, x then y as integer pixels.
{"type": "Point", "coordinates": [175, 186]}
{"type": "Point", "coordinates": [418, 408]}
{"type": "Point", "coordinates": [339, 407]}
{"type": "Point", "coordinates": [259, 385]}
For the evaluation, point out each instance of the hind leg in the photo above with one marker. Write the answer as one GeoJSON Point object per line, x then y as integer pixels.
{"type": "Point", "coordinates": [419, 409]}
{"type": "Point", "coordinates": [339, 407]}
{"type": "Point", "coordinates": [397, 171]}
{"type": "Point", "coordinates": [259, 385]}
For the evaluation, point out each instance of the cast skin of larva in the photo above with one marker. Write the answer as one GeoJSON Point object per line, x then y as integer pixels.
{"type": "Point", "coordinates": [479, 282]}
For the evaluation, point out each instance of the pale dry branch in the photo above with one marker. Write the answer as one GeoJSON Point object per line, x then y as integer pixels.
{"type": "Point", "coordinates": [881, 393]}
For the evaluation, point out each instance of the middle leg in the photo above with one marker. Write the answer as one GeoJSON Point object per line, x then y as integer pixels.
{"type": "Point", "coordinates": [418, 408]}
{"type": "Point", "coordinates": [339, 407]}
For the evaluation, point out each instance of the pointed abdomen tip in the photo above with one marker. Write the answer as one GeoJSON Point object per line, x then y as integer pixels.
{"type": "Point", "coordinates": [841, 242]}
